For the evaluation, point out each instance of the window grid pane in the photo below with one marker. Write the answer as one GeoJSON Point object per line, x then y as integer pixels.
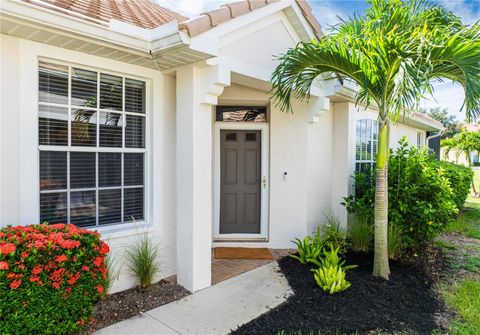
{"type": "Point", "coordinates": [366, 134]}
{"type": "Point", "coordinates": [82, 108]}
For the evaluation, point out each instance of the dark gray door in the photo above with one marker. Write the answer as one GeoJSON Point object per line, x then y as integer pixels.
{"type": "Point", "coordinates": [240, 181]}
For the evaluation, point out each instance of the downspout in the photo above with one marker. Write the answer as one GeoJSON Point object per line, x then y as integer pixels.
{"type": "Point", "coordinates": [433, 136]}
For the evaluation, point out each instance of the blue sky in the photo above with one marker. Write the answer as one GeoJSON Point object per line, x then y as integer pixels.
{"type": "Point", "coordinates": [327, 12]}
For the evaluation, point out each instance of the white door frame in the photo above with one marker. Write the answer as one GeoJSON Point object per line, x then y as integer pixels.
{"type": "Point", "coordinates": [265, 183]}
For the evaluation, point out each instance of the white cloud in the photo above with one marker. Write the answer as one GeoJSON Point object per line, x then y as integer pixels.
{"type": "Point", "coordinates": [447, 95]}
{"type": "Point", "coordinates": [327, 14]}
{"type": "Point", "coordinates": [467, 11]}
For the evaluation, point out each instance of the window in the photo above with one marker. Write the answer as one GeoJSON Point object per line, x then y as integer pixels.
{"type": "Point", "coordinates": [366, 144]}
{"type": "Point", "coordinates": [241, 114]}
{"type": "Point", "coordinates": [92, 146]}
{"type": "Point", "coordinates": [420, 142]}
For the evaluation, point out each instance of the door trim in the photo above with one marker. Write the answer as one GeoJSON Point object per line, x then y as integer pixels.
{"type": "Point", "coordinates": [264, 191]}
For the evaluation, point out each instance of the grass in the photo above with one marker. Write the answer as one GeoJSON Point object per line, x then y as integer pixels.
{"type": "Point", "coordinates": [444, 245]}
{"type": "Point", "coordinates": [468, 221]}
{"type": "Point", "coordinates": [465, 299]}
{"type": "Point", "coordinates": [464, 296]}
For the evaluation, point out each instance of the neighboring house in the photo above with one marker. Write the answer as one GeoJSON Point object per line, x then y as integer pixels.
{"type": "Point", "coordinates": [124, 116]}
{"type": "Point", "coordinates": [458, 157]}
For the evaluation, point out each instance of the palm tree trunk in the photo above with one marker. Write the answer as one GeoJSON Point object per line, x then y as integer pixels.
{"type": "Point", "coordinates": [380, 265]}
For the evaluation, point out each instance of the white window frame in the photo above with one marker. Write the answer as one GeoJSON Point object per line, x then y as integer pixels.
{"type": "Point", "coordinates": [373, 154]}
{"type": "Point", "coordinates": [420, 140]}
{"type": "Point", "coordinates": [111, 227]}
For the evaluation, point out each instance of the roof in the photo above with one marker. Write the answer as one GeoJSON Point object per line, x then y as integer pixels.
{"type": "Point", "coordinates": [149, 15]}
{"type": "Point", "coordinates": [428, 119]}
{"type": "Point", "coordinates": [226, 12]}
{"type": "Point", "coordinates": [140, 13]}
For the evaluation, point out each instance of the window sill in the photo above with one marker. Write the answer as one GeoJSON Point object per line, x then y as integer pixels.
{"type": "Point", "coordinates": [124, 230]}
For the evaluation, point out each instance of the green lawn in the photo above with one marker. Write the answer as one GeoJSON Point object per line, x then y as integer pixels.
{"type": "Point", "coordinates": [468, 222]}
{"type": "Point", "coordinates": [463, 296]}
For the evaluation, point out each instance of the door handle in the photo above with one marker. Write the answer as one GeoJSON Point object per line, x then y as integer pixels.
{"type": "Point", "coordinates": [264, 181]}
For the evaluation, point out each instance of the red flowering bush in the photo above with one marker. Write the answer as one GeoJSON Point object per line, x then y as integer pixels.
{"type": "Point", "coordinates": [50, 277]}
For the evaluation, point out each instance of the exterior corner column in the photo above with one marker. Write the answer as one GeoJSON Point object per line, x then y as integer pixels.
{"type": "Point", "coordinates": [343, 157]}
{"type": "Point", "coordinates": [194, 176]}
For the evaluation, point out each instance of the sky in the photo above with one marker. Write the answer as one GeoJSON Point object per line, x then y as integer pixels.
{"type": "Point", "coordinates": [327, 12]}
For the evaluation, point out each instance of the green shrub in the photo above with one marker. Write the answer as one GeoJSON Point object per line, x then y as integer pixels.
{"type": "Point", "coordinates": [143, 260]}
{"type": "Point", "coordinates": [460, 178]}
{"type": "Point", "coordinates": [421, 198]}
{"type": "Point", "coordinates": [361, 235]}
{"type": "Point", "coordinates": [50, 277]}
{"type": "Point", "coordinates": [308, 249]}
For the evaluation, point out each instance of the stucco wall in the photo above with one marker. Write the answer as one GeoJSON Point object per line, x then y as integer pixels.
{"type": "Point", "coordinates": [9, 131]}
{"type": "Point", "coordinates": [19, 184]}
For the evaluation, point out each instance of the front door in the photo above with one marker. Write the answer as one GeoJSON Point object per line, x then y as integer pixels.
{"type": "Point", "coordinates": [240, 175]}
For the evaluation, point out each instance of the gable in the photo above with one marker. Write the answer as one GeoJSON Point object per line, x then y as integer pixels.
{"type": "Point", "coordinates": [261, 47]}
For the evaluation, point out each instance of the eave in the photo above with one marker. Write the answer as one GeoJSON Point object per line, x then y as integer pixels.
{"type": "Point", "coordinates": [159, 49]}
{"type": "Point", "coordinates": [347, 92]}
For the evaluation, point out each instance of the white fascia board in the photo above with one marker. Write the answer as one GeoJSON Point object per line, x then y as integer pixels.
{"type": "Point", "coordinates": [145, 41]}
{"type": "Point", "coordinates": [244, 20]}
{"type": "Point", "coordinates": [56, 21]}
{"type": "Point", "coordinates": [142, 33]}
{"type": "Point", "coordinates": [348, 93]}
{"type": "Point", "coordinates": [304, 23]}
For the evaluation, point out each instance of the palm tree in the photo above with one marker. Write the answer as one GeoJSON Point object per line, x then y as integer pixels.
{"type": "Point", "coordinates": [393, 52]}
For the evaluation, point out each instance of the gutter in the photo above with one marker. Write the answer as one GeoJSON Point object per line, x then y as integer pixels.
{"type": "Point", "coordinates": [117, 35]}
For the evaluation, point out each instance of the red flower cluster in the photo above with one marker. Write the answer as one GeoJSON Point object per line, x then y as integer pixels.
{"type": "Point", "coordinates": [57, 255]}
{"type": "Point", "coordinates": [44, 262]}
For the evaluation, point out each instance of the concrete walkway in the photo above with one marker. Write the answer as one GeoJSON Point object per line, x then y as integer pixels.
{"type": "Point", "coordinates": [215, 310]}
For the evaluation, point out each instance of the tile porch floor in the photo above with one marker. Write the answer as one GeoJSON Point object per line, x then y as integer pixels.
{"type": "Point", "coordinates": [223, 269]}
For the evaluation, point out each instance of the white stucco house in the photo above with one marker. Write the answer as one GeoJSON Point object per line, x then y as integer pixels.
{"type": "Point", "coordinates": [125, 117]}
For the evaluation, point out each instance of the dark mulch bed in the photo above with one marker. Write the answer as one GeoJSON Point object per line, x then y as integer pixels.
{"type": "Point", "coordinates": [125, 304]}
{"type": "Point", "coordinates": [407, 302]}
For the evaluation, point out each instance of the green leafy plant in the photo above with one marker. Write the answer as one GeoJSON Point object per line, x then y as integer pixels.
{"type": "Point", "coordinates": [143, 260]}
{"type": "Point", "coordinates": [50, 278]}
{"type": "Point", "coordinates": [308, 249]}
{"type": "Point", "coordinates": [330, 257]}
{"type": "Point", "coordinates": [331, 279]}
{"type": "Point", "coordinates": [332, 233]}
{"type": "Point", "coordinates": [330, 274]}
{"type": "Point", "coordinates": [361, 235]}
